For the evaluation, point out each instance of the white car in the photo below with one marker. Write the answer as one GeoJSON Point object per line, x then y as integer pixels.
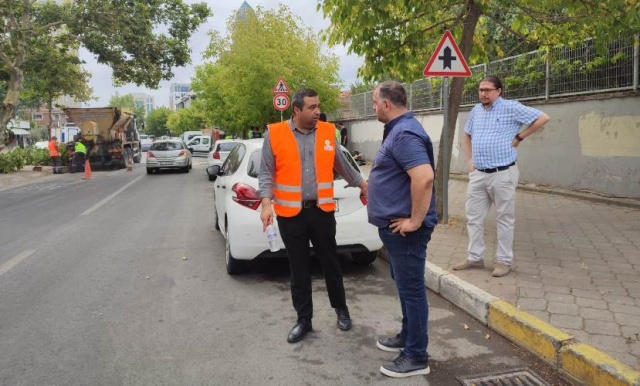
{"type": "Point", "coordinates": [41, 145]}
{"type": "Point", "coordinates": [220, 151]}
{"type": "Point", "coordinates": [238, 211]}
{"type": "Point", "coordinates": [145, 142]}
{"type": "Point", "coordinates": [200, 144]}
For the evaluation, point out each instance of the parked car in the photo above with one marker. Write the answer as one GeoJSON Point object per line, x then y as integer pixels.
{"type": "Point", "coordinates": [220, 151]}
{"type": "Point", "coordinates": [168, 154]}
{"type": "Point", "coordinates": [237, 211]}
{"type": "Point", "coordinates": [188, 135]}
{"type": "Point", "coordinates": [41, 145]}
{"type": "Point", "coordinates": [145, 142]}
{"type": "Point", "coordinates": [200, 144]}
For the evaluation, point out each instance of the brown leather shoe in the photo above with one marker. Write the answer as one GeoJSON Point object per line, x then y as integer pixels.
{"type": "Point", "coordinates": [469, 265]}
{"type": "Point", "coordinates": [500, 269]}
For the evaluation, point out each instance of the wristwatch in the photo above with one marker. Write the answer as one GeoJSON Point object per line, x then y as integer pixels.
{"type": "Point", "coordinates": [519, 138]}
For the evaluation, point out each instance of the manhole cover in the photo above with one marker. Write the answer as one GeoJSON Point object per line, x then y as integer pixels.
{"type": "Point", "coordinates": [520, 377]}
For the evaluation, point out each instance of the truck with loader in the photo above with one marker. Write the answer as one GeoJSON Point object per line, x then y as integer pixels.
{"type": "Point", "coordinates": [110, 135]}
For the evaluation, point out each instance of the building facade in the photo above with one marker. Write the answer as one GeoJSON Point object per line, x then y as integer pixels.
{"type": "Point", "coordinates": [146, 101]}
{"type": "Point", "coordinates": [178, 91]}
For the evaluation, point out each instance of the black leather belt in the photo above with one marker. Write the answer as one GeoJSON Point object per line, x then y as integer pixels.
{"type": "Point", "coordinates": [309, 204]}
{"type": "Point", "coordinates": [498, 169]}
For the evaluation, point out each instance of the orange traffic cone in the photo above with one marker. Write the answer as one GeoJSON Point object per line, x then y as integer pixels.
{"type": "Point", "coordinates": [87, 170]}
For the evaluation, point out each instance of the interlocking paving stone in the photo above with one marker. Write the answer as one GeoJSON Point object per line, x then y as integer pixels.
{"type": "Point", "coordinates": [590, 248]}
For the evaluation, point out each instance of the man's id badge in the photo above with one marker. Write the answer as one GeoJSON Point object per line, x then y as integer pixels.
{"type": "Point", "coordinates": [327, 145]}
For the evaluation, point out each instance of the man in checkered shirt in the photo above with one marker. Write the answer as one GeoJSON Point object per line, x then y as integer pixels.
{"type": "Point", "coordinates": [492, 136]}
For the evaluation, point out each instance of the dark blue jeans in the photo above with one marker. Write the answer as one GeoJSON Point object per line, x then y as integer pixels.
{"type": "Point", "coordinates": [407, 257]}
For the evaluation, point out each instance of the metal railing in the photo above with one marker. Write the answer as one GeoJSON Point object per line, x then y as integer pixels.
{"type": "Point", "coordinates": [542, 74]}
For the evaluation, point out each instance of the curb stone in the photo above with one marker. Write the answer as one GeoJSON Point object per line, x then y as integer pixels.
{"type": "Point", "coordinates": [578, 361]}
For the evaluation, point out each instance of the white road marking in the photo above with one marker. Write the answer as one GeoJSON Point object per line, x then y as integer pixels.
{"type": "Point", "coordinates": [4, 268]}
{"type": "Point", "coordinates": [109, 198]}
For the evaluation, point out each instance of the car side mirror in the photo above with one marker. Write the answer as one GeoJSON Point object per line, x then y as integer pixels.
{"type": "Point", "coordinates": [213, 171]}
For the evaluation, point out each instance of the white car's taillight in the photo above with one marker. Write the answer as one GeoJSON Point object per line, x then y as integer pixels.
{"type": "Point", "coordinates": [246, 195]}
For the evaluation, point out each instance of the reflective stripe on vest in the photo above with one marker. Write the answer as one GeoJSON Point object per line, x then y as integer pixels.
{"type": "Point", "coordinates": [287, 189]}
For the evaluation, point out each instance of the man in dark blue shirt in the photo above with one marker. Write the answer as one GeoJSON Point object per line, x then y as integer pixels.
{"type": "Point", "coordinates": [402, 206]}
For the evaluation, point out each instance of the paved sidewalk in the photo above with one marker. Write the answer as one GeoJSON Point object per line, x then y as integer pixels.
{"type": "Point", "coordinates": [576, 265]}
{"type": "Point", "coordinates": [25, 176]}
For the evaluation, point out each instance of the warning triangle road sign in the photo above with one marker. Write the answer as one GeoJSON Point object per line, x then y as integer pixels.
{"type": "Point", "coordinates": [447, 60]}
{"type": "Point", "coordinates": [280, 87]}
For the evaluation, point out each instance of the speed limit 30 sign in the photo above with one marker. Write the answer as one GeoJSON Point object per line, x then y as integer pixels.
{"type": "Point", "coordinates": [281, 102]}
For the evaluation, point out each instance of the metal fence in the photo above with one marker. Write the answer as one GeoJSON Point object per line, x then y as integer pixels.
{"type": "Point", "coordinates": [543, 74]}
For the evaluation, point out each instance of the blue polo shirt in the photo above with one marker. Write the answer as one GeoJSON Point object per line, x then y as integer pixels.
{"type": "Point", "coordinates": [405, 145]}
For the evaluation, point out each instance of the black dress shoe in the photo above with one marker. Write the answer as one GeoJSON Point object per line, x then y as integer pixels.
{"type": "Point", "coordinates": [298, 331]}
{"type": "Point", "coordinates": [344, 320]}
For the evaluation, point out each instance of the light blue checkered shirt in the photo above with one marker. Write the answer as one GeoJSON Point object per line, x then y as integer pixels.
{"type": "Point", "coordinates": [492, 131]}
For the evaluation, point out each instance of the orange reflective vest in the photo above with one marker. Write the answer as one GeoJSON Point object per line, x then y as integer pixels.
{"type": "Point", "coordinates": [287, 188]}
{"type": "Point", "coordinates": [53, 149]}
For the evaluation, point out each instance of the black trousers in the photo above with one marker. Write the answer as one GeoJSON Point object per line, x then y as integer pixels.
{"type": "Point", "coordinates": [319, 227]}
{"type": "Point", "coordinates": [77, 163]}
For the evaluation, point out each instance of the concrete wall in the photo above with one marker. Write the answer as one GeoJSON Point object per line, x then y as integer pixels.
{"type": "Point", "coordinates": [589, 144]}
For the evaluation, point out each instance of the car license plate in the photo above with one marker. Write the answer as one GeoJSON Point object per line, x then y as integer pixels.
{"type": "Point", "coordinates": [337, 206]}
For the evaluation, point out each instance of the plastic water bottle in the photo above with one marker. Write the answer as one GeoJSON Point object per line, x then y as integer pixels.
{"type": "Point", "coordinates": [272, 236]}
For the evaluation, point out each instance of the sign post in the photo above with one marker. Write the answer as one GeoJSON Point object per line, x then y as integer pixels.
{"type": "Point", "coordinates": [446, 61]}
{"type": "Point", "coordinates": [281, 99]}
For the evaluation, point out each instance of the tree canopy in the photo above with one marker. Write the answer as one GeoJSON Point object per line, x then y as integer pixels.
{"type": "Point", "coordinates": [156, 121]}
{"type": "Point", "coordinates": [127, 101]}
{"type": "Point", "coordinates": [140, 40]}
{"type": "Point", "coordinates": [191, 118]}
{"type": "Point", "coordinates": [397, 38]}
{"type": "Point", "coordinates": [234, 89]}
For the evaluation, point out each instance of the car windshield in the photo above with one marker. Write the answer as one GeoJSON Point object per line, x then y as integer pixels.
{"type": "Point", "coordinates": [226, 146]}
{"type": "Point", "coordinates": [253, 168]}
{"type": "Point", "coordinates": [166, 146]}
{"type": "Point", "coordinates": [143, 136]}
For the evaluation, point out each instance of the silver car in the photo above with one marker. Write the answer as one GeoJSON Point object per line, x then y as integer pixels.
{"type": "Point", "coordinates": [220, 151]}
{"type": "Point", "coordinates": [168, 154]}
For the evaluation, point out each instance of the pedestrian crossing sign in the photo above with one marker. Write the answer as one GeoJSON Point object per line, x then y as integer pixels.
{"type": "Point", "coordinates": [280, 87]}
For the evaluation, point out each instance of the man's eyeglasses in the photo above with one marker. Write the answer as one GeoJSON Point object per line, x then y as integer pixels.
{"type": "Point", "coordinates": [486, 89]}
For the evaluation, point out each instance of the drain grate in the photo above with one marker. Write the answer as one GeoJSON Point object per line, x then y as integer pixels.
{"type": "Point", "coordinates": [520, 377]}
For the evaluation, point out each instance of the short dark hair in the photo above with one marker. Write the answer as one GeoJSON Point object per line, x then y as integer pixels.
{"type": "Point", "coordinates": [323, 117]}
{"type": "Point", "coordinates": [497, 83]}
{"type": "Point", "coordinates": [393, 91]}
{"type": "Point", "coordinates": [298, 98]}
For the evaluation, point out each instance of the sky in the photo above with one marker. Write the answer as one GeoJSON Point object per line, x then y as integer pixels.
{"type": "Point", "coordinates": [102, 81]}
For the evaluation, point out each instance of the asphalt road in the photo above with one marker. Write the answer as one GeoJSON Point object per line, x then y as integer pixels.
{"type": "Point", "coordinates": [120, 280]}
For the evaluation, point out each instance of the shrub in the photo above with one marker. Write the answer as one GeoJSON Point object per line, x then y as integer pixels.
{"type": "Point", "coordinates": [16, 159]}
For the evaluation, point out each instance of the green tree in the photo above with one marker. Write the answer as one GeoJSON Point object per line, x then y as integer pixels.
{"type": "Point", "coordinates": [140, 40]}
{"type": "Point", "coordinates": [128, 102]}
{"type": "Point", "coordinates": [234, 90]}
{"type": "Point", "coordinates": [54, 72]}
{"type": "Point", "coordinates": [156, 121]}
{"type": "Point", "coordinates": [397, 38]}
{"type": "Point", "coordinates": [191, 118]}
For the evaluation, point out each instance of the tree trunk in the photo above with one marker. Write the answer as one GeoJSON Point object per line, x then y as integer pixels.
{"type": "Point", "coordinates": [49, 107]}
{"type": "Point", "coordinates": [455, 97]}
{"type": "Point", "coordinates": [8, 107]}
{"type": "Point", "coordinates": [14, 88]}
